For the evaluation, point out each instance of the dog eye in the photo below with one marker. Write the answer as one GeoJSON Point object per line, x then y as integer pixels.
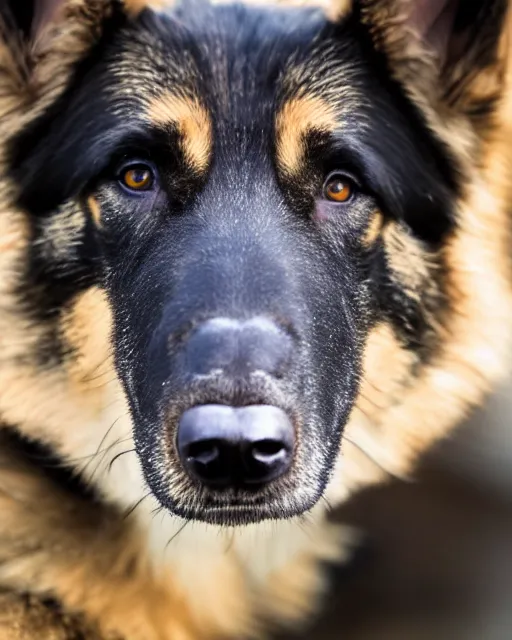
{"type": "Point", "coordinates": [339, 188]}
{"type": "Point", "coordinates": [137, 177]}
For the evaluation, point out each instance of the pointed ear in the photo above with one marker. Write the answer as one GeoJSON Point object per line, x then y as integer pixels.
{"type": "Point", "coordinates": [31, 20]}
{"type": "Point", "coordinates": [450, 50]}
{"type": "Point", "coordinates": [46, 12]}
{"type": "Point", "coordinates": [40, 43]}
{"type": "Point", "coordinates": [28, 19]}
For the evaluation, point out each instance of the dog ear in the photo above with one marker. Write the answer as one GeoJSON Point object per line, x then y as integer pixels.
{"type": "Point", "coordinates": [41, 42]}
{"type": "Point", "coordinates": [451, 50]}
{"type": "Point", "coordinates": [29, 19]}
{"type": "Point", "coordinates": [34, 22]}
{"type": "Point", "coordinates": [46, 12]}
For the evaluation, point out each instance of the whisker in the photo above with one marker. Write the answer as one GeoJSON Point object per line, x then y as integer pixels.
{"type": "Point", "coordinates": [176, 534]}
{"type": "Point", "coordinates": [129, 512]}
{"type": "Point", "coordinates": [96, 453]}
{"type": "Point", "coordinates": [102, 442]}
{"type": "Point", "coordinates": [327, 504]}
{"type": "Point", "coordinates": [116, 457]}
{"type": "Point", "coordinates": [369, 456]}
{"type": "Point", "coordinates": [365, 414]}
{"type": "Point", "coordinates": [156, 511]}
{"type": "Point", "coordinates": [231, 542]}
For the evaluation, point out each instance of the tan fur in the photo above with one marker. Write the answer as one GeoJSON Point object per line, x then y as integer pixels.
{"type": "Point", "coordinates": [386, 371]}
{"type": "Point", "coordinates": [114, 587]}
{"type": "Point", "coordinates": [90, 363]}
{"type": "Point", "coordinates": [192, 121]}
{"type": "Point", "coordinates": [334, 10]}
{"type": "Point", "coordinates": [134, 7]}
{"type": "Point", "coordinates": [296, 590]}
{"type": "Point", "coordinates": [296, 118]}
{"type": "Point", "coordinates": [95, 210]}
{"type": "Point", "coordinates": [27, 618]}
{"type": "Point", "coordinates": [416, 67]}
{"type": "Point", "coordinates": [338, 9]}
{"type": "Point", "coordinates": [385, 378]}
{"type": "Point", "coordinates": [373, 230]}
{"type": "Point", "coordinates": [41, 75]}
{"type": "Point", "coordinates": [408, 260]}
{"type": "Point", "coordinates": [63, 232]}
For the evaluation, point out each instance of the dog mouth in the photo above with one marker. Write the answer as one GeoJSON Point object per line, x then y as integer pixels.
{"type": "Point", "coordinates": [237, 507]}
{"type": "Point", "coordinates": [229, 456]}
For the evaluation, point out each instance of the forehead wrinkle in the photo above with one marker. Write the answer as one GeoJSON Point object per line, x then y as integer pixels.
{"type": "Point", "coordinates": [191, 120]}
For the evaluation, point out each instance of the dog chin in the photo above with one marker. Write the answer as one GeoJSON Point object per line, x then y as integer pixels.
{"type": "Point", "coordinates": [239, 512]}
{"type": "Point", "coordinates": [232, 516]}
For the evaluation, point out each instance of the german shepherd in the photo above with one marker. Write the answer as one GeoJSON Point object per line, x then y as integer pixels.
{"type": "Point", "coordinates": [252, 257]}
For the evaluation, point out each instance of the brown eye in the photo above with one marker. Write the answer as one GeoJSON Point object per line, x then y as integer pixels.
{"type": "Point", "coordinates": [137, 177]}
{"type": "Point", "coordinates": [339, 188]}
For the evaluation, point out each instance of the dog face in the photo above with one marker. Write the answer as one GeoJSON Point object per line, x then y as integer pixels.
{"type": "Point", "coordinates": [259, 193]}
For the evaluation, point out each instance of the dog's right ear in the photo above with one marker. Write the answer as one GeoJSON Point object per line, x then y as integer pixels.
{"type": "Point", "coordinates": [24, 23]}
{"type": "Point", "coordinates": [33, 30]}
{"type": "Point", "coordinates": [46, 12]}
{"type": "Point", "coordinates": [41, 41]}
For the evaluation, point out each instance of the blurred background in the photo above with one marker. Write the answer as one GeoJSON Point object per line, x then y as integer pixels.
{"type": "Point", "coordinates": [436, 562]}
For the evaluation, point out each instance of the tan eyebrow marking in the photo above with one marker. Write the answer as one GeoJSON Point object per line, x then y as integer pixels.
{"type": "Point", "coordinates": [296, 118]}
{"type": "Point", "coordinates": [334, 9]}
{"type": "Point", "coordinates": [192, 121]}
{"type": "Point", "coordinates": [134, 7]}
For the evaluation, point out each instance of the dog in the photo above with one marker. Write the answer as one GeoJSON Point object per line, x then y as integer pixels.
{"type": "Point", "coordinates": [253, 257]}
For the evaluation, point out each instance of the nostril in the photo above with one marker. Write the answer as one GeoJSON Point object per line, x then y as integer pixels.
{"type": "Point", "coordinates": [203, 452]}
{"type": "Point", "coordinates": [267, 451]}
{"type": "Point", "coordinates": [208, 460]}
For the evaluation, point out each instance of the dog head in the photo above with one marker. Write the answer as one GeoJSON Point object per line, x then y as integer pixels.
{"type": "Point", "coordinates": [274, 206]}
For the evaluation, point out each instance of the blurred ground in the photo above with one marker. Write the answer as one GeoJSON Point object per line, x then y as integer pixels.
{"type": "Point", "coordinates": [438, 564]}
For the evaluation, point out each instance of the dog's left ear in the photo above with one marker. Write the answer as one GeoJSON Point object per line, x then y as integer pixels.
{"type": "Point", "coordinates": [452, 52]}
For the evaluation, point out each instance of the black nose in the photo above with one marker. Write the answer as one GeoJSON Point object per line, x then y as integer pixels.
{"type": "Point", "coordinates": [235, 446]}
{"type": "Point", "coordinates": [236, 347]}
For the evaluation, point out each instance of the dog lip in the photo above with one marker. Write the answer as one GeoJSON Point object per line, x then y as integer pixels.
{"type": "Point", "coordinates": [236, 512]}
